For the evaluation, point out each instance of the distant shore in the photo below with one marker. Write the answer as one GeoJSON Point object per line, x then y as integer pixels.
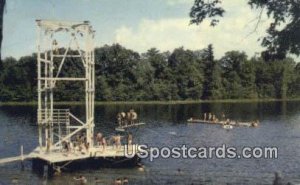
{"type": "Point", "coordinates": [155, 102]}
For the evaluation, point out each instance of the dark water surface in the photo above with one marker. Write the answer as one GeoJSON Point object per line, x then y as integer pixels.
{"type": "Point", "coordinates": [166, 126]}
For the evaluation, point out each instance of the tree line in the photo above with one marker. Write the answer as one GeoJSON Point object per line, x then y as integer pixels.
{"type": "Point", "coordinates": [125, 75]}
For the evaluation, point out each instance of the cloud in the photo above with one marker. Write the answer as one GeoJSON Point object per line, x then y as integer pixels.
{"type": "Point", "coordinates": [179, 2]}
{"type": "Point", "coordinates": [232, 33]}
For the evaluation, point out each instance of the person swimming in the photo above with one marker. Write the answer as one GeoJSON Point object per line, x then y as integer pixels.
{"type": "Point", "coordinates": [98, 181]}
{"type": "Point", "coordinates": [141, 167]}
{"type": "Point", "coordinates": [118, 181]}
{"type": "Point", "coordinates": [81, 179]}
{"type": "Point", "coordinates": [125, 181]}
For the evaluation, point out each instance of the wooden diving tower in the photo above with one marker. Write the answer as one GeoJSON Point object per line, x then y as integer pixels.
{"type": "Point", "coordinates": [58, 127]}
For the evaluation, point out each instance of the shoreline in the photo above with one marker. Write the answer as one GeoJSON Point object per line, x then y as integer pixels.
{"type": "Point", "coordinates": [175, 102]}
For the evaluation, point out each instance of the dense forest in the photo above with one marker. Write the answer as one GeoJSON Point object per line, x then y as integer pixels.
{"type": "Point", "coordinates": [125, 75]}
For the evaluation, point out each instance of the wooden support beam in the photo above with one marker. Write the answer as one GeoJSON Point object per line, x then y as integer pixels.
{"type": "Point", "coordinates": [62, 79]}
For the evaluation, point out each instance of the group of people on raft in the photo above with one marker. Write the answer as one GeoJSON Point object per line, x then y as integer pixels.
{"type": "Point", "coordinates": [125, 119]}
{"type": "Point", "coordinates": [212, 118]}
{"type": "Point", "coordinates": [115, 140]}
{"type": "Point", "coordinates": [80, 143]}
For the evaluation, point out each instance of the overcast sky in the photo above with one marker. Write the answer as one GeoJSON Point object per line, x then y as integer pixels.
{"type": "Point", "coordinates": [135, 24]}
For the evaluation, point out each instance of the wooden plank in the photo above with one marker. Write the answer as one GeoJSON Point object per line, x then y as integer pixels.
{"type": "Point", "coordinates": [13, 159]}
{"type": "Point", "coordinates": [63, 79]}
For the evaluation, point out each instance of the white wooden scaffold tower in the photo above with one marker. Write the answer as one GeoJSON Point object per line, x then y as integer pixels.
{"type": "Point", "coordinates": [77, 41]}
{"type": "Point", "coordinates": [58, 43]}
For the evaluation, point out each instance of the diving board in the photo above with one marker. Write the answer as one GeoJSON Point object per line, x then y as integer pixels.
{"type": "Point", "coordinates": [122, 128]}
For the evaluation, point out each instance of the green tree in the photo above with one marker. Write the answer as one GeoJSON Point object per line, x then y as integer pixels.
{"type": "Point", "coordinates": [282, 34]}
{"type": "Point", "coordinates": [158, 87]}
{"type": "Point", "coordinates": [231, 65]}
{"type": "Point", "coordinates": [186, 73]}
{"type": "Point", "coordinates": [294, 87]}
{"type": "Point", "coordinates": [2, 6]}
{"type": "Point", "coordinates": [282, 76]}
{"type": "Point", "coordinates": [248, 78]}
{"type": "Point", "coordinates": [263, 78]}
{"type": "Point", "coordinates": [212, 87]}
{"type": "Point", "coordinates": [124, 75]}
{"type": "Point", "coordinates": [118, 65]}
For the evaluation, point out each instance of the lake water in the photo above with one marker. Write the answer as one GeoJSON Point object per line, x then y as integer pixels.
{"type": "Point", "coordinates": [166, 126]}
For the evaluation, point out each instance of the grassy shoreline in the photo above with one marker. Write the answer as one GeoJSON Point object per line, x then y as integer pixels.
{"type": "Point", "coordinates": [155, 102]}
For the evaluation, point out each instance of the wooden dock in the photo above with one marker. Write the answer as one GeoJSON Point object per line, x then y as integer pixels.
{"type": "Point", "coordinates": [13, 159]}
{"type": "Point", "coordinates": [233, 123]}
{"type": "Point", "coordinates": [58, 156]}
{"type": "Point", "coordinates": [95, 152]}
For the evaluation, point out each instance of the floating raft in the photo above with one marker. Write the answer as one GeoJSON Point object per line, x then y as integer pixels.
{"type": "Point", "coordinates": [110, 151]}
{"type": "Point", "coordinates": [233, 123]}
{"type": "Point", "coordinates": [56, 161]}
{"type": "Point", "coordinates": [123, 128]}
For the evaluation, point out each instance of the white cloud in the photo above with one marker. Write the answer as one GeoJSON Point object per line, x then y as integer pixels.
{"type": "Point", "coordinates": [232, 33]}
{"type": "Point", "coordinates": [178, 2]}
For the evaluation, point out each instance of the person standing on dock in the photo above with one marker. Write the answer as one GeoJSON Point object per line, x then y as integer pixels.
{"type": "Point", "coordinates": [213, 118]}
{"type": "Point", "coordinates": [133, 116]}
{"type": "Point", "coordinates": [48, 144]}
{"type": "Point", "coordinates": [204, 116]}
{"type": "Point", "coordinates": [209, 117]}
{"type": "Point", "coordinates": [223, 117]}
{"type": "Point", "coordinates": [101, 141]}
{"type": "Point", "coordinates": [104, 144]}
{"type": "Point", "coordinates": [128, 118]}
{"type": "Point", "coordinates": [99, 138]}
{"type": "Point", "coordinates": [119, 119]}
{"type": "Point", "coordinates": [227, 122]}
{"type": "Point", "coordinates": [129, 139]}
{"type": "Point", "coordinates": [117, 141]}
{"type": "Point", "coordinates": [87, 146]}
{"type": "Point", "coordinates": [123, 118]}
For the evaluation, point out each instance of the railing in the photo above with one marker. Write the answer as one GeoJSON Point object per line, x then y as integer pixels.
{"type": "Point", "coordinates": [58, 116]}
